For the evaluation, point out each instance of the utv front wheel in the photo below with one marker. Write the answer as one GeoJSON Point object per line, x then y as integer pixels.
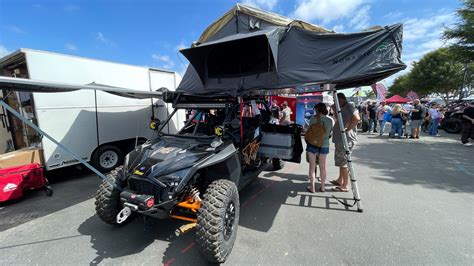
{"type": "Point", "coordinates": [217, 220]}
{"type": "Point", "coordinates": [107, 199]}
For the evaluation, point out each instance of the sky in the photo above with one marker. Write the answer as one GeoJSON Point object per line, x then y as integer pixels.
{"type": "Point", "coordinates": [151, 32]}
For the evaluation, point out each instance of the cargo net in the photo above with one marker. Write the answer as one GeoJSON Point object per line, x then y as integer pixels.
{"type": "Point", "coordinates": [249, 153]}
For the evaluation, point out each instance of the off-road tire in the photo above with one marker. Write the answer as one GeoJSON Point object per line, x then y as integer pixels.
{"type": "Point", "coordinates": [452, 125]}
{"type": "Point", "coordinates": [211, 236]}
{"type": "Point", "coordinates": [278, 164]}
{"type": "Point", "coordinates": [107, 199]}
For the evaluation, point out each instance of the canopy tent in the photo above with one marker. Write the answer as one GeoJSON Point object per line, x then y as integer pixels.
{"type": "Point", "coordinates": [240, 58]}
{"type": "Point", "coordinates": [396, 99]}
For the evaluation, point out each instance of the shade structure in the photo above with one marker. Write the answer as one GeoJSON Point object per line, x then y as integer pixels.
{"type": "Point", "coordinates": [396, 99]}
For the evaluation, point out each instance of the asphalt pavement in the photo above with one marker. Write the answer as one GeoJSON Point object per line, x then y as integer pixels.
{"type": "Point", "coordinates": [417, 197]}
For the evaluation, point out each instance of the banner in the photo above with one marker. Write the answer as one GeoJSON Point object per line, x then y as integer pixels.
{"type": "Point", "coordinates": [305, 108]}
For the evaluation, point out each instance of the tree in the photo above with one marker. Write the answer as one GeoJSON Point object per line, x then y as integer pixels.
{"type": "Point", "coordinates": [463, 33]}
{"type": "Point", "coordinates": [401, 85]}
{"type": "Point", "coordinates": [440, 72]}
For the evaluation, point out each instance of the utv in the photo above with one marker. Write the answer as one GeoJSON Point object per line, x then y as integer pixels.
{"type": "Point", "coordinates": [196, 174]}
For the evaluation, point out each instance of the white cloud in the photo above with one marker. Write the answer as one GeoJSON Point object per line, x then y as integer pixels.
{"type": "Point", "coordinates": [72, 8]}
{"type": "Point", "coordinates": [15, 29]}
{"type": "Point", "coordinates": [361, 19]}
{"type": "Point", "coordinates": [180, 46]}
{"type": "Point", "coordinates": [3, 51]}
{"type": "Point", "coordinates": [165, 60]}
{"type": "Point", "coordinates": [421, 36]}
{"type": "Point", "coordinates": [338, 28]}
{"type": "Point", "coordinates": [263, 4]}
{"type": "Point", "coordinates": [326, 10]}
{"type": "Point", "coordinates": [71, 47]}
{"type": "Point", "coordinates": [100, 37]}
{"type": "Point", "coordinates": [393, 15]}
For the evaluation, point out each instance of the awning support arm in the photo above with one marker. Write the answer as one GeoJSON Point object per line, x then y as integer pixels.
{"type": "Point", "coordinates": [355, 189]}
{"type": "Point", "coordinates": [75, 156]}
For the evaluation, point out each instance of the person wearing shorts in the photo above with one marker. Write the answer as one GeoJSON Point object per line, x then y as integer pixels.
{"type": "Point", "coordinates": [350, 118]}
{"type": "Point", "coordinates": [417, 115]}
{"type": "Point", "coordinates": [313, 152]}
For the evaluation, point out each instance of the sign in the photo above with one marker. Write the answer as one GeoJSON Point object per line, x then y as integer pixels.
{"type": "Point", "coordinates": [412, 96]}
{"type": "Point", "coordinates": [305, 108]}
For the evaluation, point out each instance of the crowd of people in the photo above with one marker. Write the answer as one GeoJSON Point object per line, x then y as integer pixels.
{"type": "Point", "coordinates": [406, 120]}
{"type": "Point", "coordinates": [409, 120]}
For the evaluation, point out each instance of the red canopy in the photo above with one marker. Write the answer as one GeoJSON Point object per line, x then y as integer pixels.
{"type": "Point", "coordinates": [396, 99]}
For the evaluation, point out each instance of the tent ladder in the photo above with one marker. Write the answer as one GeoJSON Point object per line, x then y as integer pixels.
{"type": "Point", "coordinates": [355, 189]}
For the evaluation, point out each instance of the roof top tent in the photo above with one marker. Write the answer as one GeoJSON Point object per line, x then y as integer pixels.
{"type": "Point", "coordinates": [271, 52]}
{"type": "Point", "coordinates": [98, 126]}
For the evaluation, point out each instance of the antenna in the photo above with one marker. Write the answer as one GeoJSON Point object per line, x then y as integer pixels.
{"type": "Point", "coordinates": [136, 137]}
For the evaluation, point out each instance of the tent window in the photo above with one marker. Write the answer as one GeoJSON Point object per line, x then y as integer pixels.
{"type": "Point", "coordinates": [243, 57]}
{"type": "Point", "coordinates": [254, 23]}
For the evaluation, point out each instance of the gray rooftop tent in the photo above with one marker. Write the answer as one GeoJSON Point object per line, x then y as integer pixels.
{"type": "Point", "coordinates": [248, 49]}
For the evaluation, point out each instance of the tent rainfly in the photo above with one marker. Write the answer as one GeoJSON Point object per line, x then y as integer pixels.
{"type": "Point", "coordinates": [248, 50]}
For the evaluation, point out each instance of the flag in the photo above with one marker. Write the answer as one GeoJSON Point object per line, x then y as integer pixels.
{"type": "Point", "coordinates": [381, 91]}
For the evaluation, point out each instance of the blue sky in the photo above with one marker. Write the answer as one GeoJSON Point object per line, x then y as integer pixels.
{"type": "Point", "coordinates": [150, 32]}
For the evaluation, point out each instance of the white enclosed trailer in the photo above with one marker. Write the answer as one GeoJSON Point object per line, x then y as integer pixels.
{"type": "Point", "coordinates": [98, 126]}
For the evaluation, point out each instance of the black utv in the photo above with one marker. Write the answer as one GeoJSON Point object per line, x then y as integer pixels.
{"type": "Point", "coordinates": [196, 174]}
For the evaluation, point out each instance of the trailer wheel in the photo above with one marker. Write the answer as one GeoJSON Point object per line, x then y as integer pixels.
{"type": "Point", "coordinates": [107, 158]}
{"type": "Point", "coordinates": [107, 199]}
{"type": "Point", "coordinates": [217, 220]}
{"type": "Point", "coordinates": [278, 164]}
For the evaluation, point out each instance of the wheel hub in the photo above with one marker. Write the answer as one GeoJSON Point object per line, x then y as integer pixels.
{"type": "Point", "coordinates": [108, 159]}
{"type": "Point", "coordinates": [229, 220]}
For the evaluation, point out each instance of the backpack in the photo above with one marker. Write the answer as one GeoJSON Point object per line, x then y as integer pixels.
{"type": "Point", "coordinates": [315, 134]}
{"type": "Point", "coordinates": [388, 116]}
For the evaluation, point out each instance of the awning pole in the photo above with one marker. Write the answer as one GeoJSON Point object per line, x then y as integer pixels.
{"type": "Point", "coordinates": [37, 129]}
{"type": "Point", "coordinates": [355, 189]}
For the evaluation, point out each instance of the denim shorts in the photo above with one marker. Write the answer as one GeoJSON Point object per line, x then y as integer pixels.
{"type": "Point", "coordinates": [317, 150]}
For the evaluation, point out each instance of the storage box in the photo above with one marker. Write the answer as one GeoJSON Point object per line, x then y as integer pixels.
{"type": "Point", "coordinates": [21, 157]}
{"type": "Point", "coordinates": [275, 145]}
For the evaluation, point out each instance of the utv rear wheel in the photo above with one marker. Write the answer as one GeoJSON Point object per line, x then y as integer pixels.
{"type": "Point", "coordinates": [278, 164]}
{"type": "Point", "coordinates": [217, 220]}
{"type": "Point", "coordinates": [107, 199]}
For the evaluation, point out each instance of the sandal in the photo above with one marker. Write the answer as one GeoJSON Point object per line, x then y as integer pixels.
{"type": "Point", "coordinates": [334, 182]}
{"type": "Point", "coordinates": [339, 189]}
{"type": "Point", "coordinates": [309, 189]}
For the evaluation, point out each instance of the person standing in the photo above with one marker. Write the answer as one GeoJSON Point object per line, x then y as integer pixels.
{"type": "Point", "coordinates": [285, 114]}
{"type": "Point", "coordinates": [350, 118]}
{"type": "Point", "coordinates": [467, 124]}
{"type": "Point", "coordinates": [397, 122]}
{"type": "Point", "coordinates": [417, 115]}
{"type": "Point", "coordinates": [381, 111]}
{"type": "Point", "coordinates": [316, 153]}
{"type": "Point", "coordinates": [371, 110]}
{"type": "Point", "coordinates": [275, 109]}
{"type": "Point", "coordinates": [434, 117]}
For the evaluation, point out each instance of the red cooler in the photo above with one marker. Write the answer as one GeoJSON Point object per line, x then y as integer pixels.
{"type": "Point", "coordinates": [15, 180]}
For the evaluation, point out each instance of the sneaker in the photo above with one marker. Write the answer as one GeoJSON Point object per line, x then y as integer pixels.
{"type": "Point", "coordinates": [467, 144]}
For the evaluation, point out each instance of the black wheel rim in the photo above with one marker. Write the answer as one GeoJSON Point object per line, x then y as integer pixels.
{"type": "Point", "coordinates": [229, 220]}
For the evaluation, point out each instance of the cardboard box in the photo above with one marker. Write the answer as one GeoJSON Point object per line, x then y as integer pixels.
{"type": "Point", "coordinates": [21, 157]}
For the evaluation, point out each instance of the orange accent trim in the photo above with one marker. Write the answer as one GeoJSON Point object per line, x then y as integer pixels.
{"type": "Point", "coordinates": [192, 205]}
{"type": "Point", "coordinates": [183, 218]}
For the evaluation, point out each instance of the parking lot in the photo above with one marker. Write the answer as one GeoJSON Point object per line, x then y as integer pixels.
{"type": "Point", "coordinates": [417, 197]}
